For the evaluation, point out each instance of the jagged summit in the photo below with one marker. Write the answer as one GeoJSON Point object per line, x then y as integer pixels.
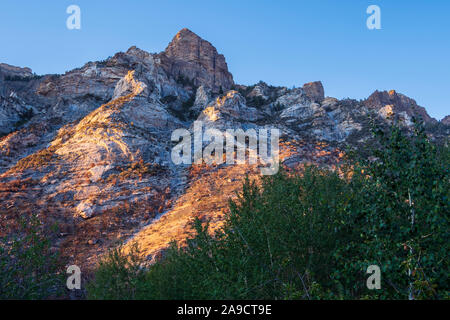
{"type": "Point", "coordinates": [185, 32]}
{"type": "Point", "coordinates": [178, 46]}
{"type": "Point", "coordinates": [197, 60]}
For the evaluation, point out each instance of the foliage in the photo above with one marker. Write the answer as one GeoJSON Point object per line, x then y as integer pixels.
{"type": "Point", "coordinates": [28, 268]}
{"type": "Point", "coordinates": [398, 218]}
{"type": "Point", "coordinates": [24, 118]}
{"type": "Point", "coordinates": [137, 169]}
{"type": "Point", "coordinates": [186, 112]}
{"type": "Point", "coordinates": [119, 276]}
{"type": "Point", "coordinates": [169, 99]}
{"type": "Point", "coordinates": [22, 78]}
{"type": "Point", "coordinates": [256, 101]}
{"type": "Point", "coordinates": [246, 90]}
{"type": "Point", "coordinates": [185, 81]}
{"type": "Point", "coordinates": [312, 235]}
{"type": "Point", "coordinates": [278, 107]}
{"type": "Point", "coordinates": [186, 108]}
{"type": "Point", "coordinates": [36, 160]}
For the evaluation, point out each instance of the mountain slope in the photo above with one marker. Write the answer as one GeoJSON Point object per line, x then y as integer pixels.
{"type": "Point", "coordinates": [94, 153]}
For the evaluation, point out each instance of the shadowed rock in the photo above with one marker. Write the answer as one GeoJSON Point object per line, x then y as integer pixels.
{"type": "Point", "coordinates": [399, 104]}
{"type": "Point", "coordinates": [314, 90]}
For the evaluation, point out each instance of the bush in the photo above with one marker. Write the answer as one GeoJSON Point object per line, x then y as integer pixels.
{"type": "Point", "coordinates": [278, 107]}
{"type": "Point", "coordinates": [28, 269]}
{"type": "Point", "coordinates": [24, 118]}
{"type": "Point", "coordinates": [119, 276]}
{"type": "Point", "coordinates": [168, 99]}
{"type": "Point", "coordinates": [185, 81]}
{"type": "Point", "coordinates": [36, 160]}
{"type": "Point", "coordinates": [256, 101]}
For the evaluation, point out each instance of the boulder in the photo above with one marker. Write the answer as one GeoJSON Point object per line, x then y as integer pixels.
{"type": "Point", "coordinates": [314, 90]}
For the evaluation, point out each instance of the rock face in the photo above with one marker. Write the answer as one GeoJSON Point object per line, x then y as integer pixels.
{"type": "Point", "coordinates": [399, 103]}
{"type": "Point", "coordinates": [229, 110]}
{"type": "Point", "coordinates": [14, 82]}
{"type": "Point", "coordinates": [192, 59]}
{"type": "Point", "coordinates": [202, 99]}
{"type": "Point", "coordinates": [314, 90]}
{"type": "Point", "coordinates": [446, 120]}
{"type": "Point", "coordinates": [12, 111]}
{"type": "Point", "coordinates": [8, 72]}
{"type": "Point", "coordinates": [91, 149]}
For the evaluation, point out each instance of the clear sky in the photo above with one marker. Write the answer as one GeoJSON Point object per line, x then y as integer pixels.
{"type": "Point", "coordinates": [280, 42]}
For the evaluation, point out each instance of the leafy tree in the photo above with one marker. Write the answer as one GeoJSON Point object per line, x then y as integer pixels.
{"type": "Point", "coordinates": [28, 268]}
{"type": "Point", "coordinates": [399, 218]}
{"type": "Point", "coordinates": [119, 276]}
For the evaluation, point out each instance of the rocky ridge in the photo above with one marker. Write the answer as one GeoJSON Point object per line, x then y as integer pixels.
{"type": "Point", "coordinates": [90, 149]}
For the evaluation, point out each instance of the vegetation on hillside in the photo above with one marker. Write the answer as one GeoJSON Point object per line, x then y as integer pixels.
{"type": "Point", "coordinates": [297, 235]}
{"type": "Point", "coordinates": [312, 235]}
{"type": "Point", "coordinates": [29, 269]}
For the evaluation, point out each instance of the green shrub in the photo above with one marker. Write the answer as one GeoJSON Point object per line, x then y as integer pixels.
{"type": "Point", "coordinates": [168, 99]}
{"type": "Point", "coordinates": [256, 101]}
{"type": "Point", "coordinates": [278, 107]}
{"type": "Point", "coordinates": [118, 276]}
{"type": "Point", "coordinates": [185, 81]}
{"type": "Point", "coordinates": [28, 268]}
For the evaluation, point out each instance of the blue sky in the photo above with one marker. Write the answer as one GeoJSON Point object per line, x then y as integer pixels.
{"type": "Point", "coordinates": [281, 42]}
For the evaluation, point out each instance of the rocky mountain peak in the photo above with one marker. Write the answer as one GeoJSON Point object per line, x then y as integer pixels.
{"type": "Point", "coordinates": [399, 103]}
{"type": "Point", "coordinates": [192, 59]}
{"type": "Point", "coordinates": [184, 33]}
{"type": "Point", "coordinates": [94, 142]}
{"type": "Point", "coordinates": [186, 44]}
